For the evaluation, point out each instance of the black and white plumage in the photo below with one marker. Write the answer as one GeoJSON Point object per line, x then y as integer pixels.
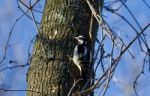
{"type": "Point", "coordinates": [81, 56]}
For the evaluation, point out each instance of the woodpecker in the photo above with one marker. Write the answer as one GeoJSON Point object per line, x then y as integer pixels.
{"type": "Point", "coordinates": [81, 57]}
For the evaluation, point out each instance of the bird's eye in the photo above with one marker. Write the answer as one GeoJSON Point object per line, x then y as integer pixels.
{"type": "Point", "coordinates": [81, 38]}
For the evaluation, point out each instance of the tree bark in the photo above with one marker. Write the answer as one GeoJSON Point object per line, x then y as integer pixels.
{"type": "Point", "coordinates": [51, 71]}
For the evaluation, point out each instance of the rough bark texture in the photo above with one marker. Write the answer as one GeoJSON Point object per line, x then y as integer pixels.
{"type": "Point", "coordinates": [49, 72]}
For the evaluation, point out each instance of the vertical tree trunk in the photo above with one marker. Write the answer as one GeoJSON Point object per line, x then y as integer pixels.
{"type": "Point", "coordinates": [50, 70]}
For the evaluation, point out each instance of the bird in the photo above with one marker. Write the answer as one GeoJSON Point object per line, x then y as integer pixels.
{"type": "Point", "coordinates": [81, 56]}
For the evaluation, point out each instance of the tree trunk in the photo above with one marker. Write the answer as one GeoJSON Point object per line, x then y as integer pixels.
{"type": "Point", "coordinates": [51, 71]}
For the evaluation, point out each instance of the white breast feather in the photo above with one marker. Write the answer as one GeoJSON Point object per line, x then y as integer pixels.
{"type": "Point", "coordinates": [76, 58]}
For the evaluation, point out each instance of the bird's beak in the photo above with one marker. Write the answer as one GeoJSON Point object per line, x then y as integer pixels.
{"type": "Point", "coordinates": [76, 38]}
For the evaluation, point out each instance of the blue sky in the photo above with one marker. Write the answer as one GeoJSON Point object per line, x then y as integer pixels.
{"type": "Point", "coordinates": [128, 69]}
{"type": "Point", "coordinates": [18, 45]}
{"type": "Point", "coordinates": [24, 31]}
